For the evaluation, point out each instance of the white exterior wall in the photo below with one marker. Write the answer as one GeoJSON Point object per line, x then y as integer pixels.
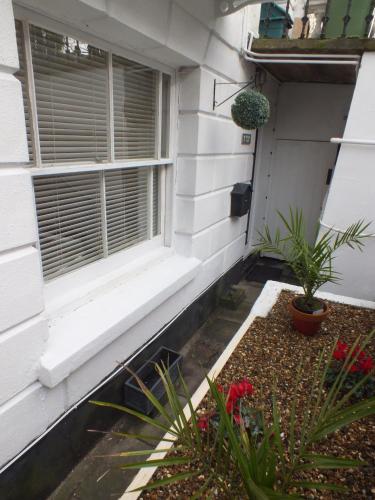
{"type": "Point", "coordinates": [52, 354]}
{"type": "Point", "coordinates": [23, 331]}
{"type": "Point", "coordinates": [352, 192]}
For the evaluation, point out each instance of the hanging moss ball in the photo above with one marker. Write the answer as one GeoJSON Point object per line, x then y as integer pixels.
{"type": "Point", "coordinates": [250, 110]}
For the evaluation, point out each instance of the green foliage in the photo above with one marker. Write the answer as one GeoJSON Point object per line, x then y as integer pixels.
{"type": "Point", "coordinates": [359, 365]}
{"type": "Point", "coordinates": [364, 391]}
{"type": "Point", "coordinates": [262, 466]}
{"type": "Point", "coordinates": [250, 110]}
{"type": "Point", "coordinates": [311, 264]}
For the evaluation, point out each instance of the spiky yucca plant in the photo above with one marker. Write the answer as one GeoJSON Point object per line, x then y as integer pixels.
{"type": "Point", "coordinates": [229, 456]}
{"type": "Point", "coordinates": [312, 264]}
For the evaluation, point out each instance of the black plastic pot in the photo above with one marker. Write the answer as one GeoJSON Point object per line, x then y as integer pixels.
{"type": "Point", "coordinates": [133, 395]}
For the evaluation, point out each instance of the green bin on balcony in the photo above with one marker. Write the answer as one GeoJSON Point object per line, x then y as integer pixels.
{"type": "Point", "coordinates": [356, 27]}
{"type": "Point", "coordinates": [276, 25]}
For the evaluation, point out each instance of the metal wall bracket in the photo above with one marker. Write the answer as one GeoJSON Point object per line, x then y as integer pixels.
{"type": "Point", "coordinates": [256, 81]}
{"type": "Point", "coordinates": [216, 104]}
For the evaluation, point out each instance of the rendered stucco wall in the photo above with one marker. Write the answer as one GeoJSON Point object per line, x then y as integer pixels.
{"type": "Point", "coordinates": [23, 331]}
{"type": "Point", "coordinates": [209, 163]}
{"type": "Point", "coordinates": [352, 191]}
{"type": "Point", "coordinates": [210, 159]}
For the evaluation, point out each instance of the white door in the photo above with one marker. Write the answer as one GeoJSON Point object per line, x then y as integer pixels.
{"type": "Point", "coordinates": [299, 179]}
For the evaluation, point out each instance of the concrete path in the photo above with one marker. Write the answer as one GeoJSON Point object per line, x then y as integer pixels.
{"type": "Point", "coordinates": [98, 476]}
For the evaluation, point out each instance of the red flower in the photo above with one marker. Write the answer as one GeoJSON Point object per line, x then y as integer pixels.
{"type": "Point", "coordinates": [234, 393]}
{"type": "Point", "coordinates": [366, 365]}
{"type": "Point", "coordinates": [362, 363]}
{"type": "Point", "coordinates": [358, 354]}
{"type": "Point", "coordinates": [249, 389]}
{"type": "Point", "coordinates": [354, 368]}
{"type": "Point", "coordinates": [237, 418]}
{"type": "Point", "coordinates": [230, 406]}
{"type": "Point", "coordinates": [203, 423]}
{"type": "Point", "coordinates": [339, 355]}
{"type": "Point", "coordinates": [241, 390]}
{"type": "Point", "coordinates": [341, 351]}
{"type": "Point", "coordinates": [220, 388]}
{"type": "Point", "coordinates": [342, 346]}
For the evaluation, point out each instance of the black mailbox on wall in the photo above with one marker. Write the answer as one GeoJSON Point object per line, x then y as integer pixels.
{"type": "Point", "coordinates": [240, 199]}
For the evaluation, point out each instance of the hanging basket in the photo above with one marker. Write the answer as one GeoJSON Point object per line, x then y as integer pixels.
{"type": "Point", "coordinates": [250, 110]}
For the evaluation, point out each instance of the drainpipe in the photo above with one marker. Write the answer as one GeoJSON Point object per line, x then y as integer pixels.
{"type": "Point", "coordinates": [252, 186]}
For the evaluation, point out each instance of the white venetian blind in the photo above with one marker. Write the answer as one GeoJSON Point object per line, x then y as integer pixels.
{"type": "Point", "coordinates": [71, 97]}
{"type": "Point", "coordinates": [22, 77]}
{"type": "Point", "coordinates": [69, 219]}
{"type": "Point", "coordinates": [134, 107]}
{"type": "Point", "coordinates": [126, 207]}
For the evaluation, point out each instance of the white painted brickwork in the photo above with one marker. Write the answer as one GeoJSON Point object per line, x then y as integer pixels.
{"type": "Point", "coordinates": [8, 46]}
{"type": "Point", "coordinates": [206, 242]}
{"type": "Point", "coordinates": [201, 175]}
{"type": "Point", "coordinates": [27, 415]}
{"type": "Point", "coordinates": [17, 220]}
{"type": "Point", "coordinates": [23, 333]}
{"type": "Point", "coordinates": [28, 338]}
{"type": "Point", "coordinates": [20, 287]}
{"type": "Point", "coordinates": [13, 146]}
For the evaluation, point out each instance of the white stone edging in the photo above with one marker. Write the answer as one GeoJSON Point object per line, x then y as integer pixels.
{"type": "Point", "coordinates": [261, 308]}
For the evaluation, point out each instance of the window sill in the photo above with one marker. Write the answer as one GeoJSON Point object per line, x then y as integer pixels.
{"type": "Point", "coordinates": [76, 167]}
{"type": "Point", "coordinates": [78, 333]}
{"type": "Point", "coordinates": [77, 287]}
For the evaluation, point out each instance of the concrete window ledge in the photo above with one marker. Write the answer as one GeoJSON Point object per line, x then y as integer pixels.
{"type": "Point", "coordinates": [78, 333]}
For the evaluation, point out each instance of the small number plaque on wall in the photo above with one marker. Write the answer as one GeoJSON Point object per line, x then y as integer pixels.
{"type": "Point", "coordinates": [246, 139]}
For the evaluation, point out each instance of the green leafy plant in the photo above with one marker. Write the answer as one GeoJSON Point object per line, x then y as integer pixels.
{"type": "Point", "coordinates": [312, 264]}
{"type": "Point", "coordinates": [250, 110]}
{"type": "Point", "coordinates": [238, 406]}
{"type": "Point", "coordinates": [267, 465]}
{"type": "Point", "coordinates": [359, 364]}
{"type": "Point", "coordinates": [285, 452]}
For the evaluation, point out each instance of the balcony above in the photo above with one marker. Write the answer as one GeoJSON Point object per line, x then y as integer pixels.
{"type": "Point", "coordinates": [344, 46]}
{"type": "Point", "coordinates": [324, 19]}
{"type": "Point", "coordinates": [337, 58]}
{"type": "Point", "coordinates": [316, 41]}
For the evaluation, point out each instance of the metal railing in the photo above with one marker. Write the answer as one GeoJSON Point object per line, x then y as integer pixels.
{"type": "Point", "coordinates": [317, 19]}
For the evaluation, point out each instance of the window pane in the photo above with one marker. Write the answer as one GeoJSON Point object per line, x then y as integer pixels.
{"type": "Point", "coordinates": [127, 207]}
{"type": "Point", "coordinates": [69, 220]}
{"type": "Point", "coordinates": [71, 95]}
{"type": "Point", "coordinates": [134, 107]}
{"type": "Point", "coordinates": [165, 115]}
{"type": "Point", "coordinates": [22, 77]}
{"type": "Point", "coordinates": [156, 201]}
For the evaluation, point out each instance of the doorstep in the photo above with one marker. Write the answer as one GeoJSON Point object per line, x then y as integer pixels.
{"type": "Point", "coordinates": [78, 334]}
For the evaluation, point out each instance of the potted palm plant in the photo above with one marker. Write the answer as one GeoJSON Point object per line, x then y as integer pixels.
{"type": "Point", "coordinates": [310, 263]}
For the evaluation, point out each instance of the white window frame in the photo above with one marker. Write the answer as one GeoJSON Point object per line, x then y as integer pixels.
{"type": "Point", "coordinates": [167, 170]}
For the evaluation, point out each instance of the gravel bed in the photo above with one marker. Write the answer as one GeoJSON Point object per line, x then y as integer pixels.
{"type": "Point", "coordinates": [272, 349]}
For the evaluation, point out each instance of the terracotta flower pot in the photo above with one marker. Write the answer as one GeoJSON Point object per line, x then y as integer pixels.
{"type": "Point", "coordinates": [305, 323]}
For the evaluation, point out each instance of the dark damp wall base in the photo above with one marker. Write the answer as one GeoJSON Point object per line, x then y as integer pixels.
{"type": "Point", "coordinates": [38, 473]}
